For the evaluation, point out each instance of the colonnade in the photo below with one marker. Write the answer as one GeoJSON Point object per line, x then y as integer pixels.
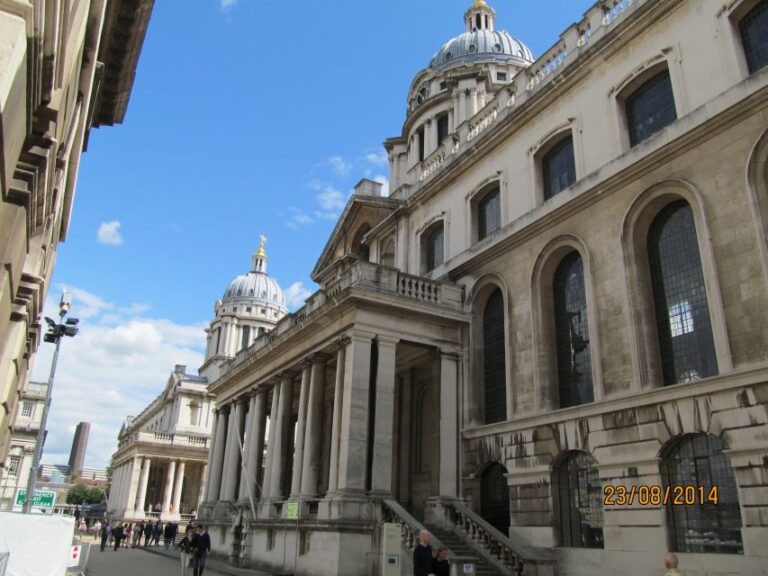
{"type": "Point", "coordinates": [255, 453]}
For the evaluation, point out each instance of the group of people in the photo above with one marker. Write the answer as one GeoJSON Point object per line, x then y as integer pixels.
{"type": "Point", "coordinates": [194, 548]}
{"type": "Point", "coordinates": [425, 563]}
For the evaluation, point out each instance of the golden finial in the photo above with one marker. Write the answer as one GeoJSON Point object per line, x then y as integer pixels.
{"type": "Point", "coordinates": [261, 252]}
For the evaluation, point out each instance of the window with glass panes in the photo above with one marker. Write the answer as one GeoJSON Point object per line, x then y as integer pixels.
{"type": "Point", "coordinates": [579, 496]}
{"type": "Point", "coordinates": [494, 362]}
{"type": "Point", "coordinates": [650, 108]}
{"type": "Point", "coordinates": [13, 466]}
{"type": "Point", "coordinates": [753, 29]}
{"type": "Point", "coordinates": [489, 214]}
{"type": "Point", "coordinates": [246, 338]}
{"type": "Point", "coordinates": [708, 526]}
{"type": "Point", "coordinates": [434, 247]}
{"type": "Point", "coordinates": [574, 364]}
{"type": "Point", "coordinates": [27, 408]}
{"type": "Point", "coordinates": [558, 168]}
{"type": "Point", "coordinates": [686, 344]}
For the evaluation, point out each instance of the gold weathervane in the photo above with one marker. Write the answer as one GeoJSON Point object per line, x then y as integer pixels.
{"type": "Point", "coordinates": [260, 251]}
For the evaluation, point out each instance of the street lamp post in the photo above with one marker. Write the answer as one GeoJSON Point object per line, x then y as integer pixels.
{"type": "Point", "coordinates": [54, 335]}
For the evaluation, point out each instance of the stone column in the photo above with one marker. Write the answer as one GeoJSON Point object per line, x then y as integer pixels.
{"type": "Point", "coordinates": [232, 453]}
{"type": "Point", "coordinates": [282, 442]}
{"type": "Point", "coordinates": [449, 425]}
{"type": "Point", "coordinates": [178, 487]}
{"type": "Point", "coordinates": [353, 440]}
{"type": "Point", "coordinates": [267, 488]}
{"type": "Point", "coordinates": [314, 442]}
{"type": "Point", "coordinates": [217, 456]}
{"type": "Point", "coordinates": [133, 486]}
{"type": "Point", "coordinates": [203, 484]}
{"type": "Point", "coordinates": [338, 397]}
{"type": "Point", "coordinates": [168, 492]}
{"type": "Point", "coordinates": [301, 427]}
{"type": "Point", "coordinates": [254, 446]}
{"type": "Point", "coordinates": [384, 425]}
{"type": "Point", "coordinates": [406, 439]}
{"type": "Point", "coordinates": [142, 496]}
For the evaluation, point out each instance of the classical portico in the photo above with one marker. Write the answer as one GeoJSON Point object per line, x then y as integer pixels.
{"type": "Point", "coordinates": [344, 405]}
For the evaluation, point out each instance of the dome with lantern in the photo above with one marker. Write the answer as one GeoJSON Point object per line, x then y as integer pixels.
{"type": "Point", "coordinates": [256, 287]}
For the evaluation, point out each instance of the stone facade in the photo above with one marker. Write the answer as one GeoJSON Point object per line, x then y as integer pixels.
{"type": "Point", "coordinates": [65, 67]}
{"type": "Point", "coordinates": [386, 370]}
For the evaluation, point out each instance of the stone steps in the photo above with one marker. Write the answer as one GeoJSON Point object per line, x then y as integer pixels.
{"type": "Point", "coordinates": [459, 548]}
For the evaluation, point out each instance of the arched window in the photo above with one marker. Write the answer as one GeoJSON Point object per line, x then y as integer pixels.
{"type": "Point", "coordinates": [558, 167]}
{"type": "Point", "coordinates": [494, 365]}
{"type": "Point", "coordinates": [578, 498]}
{"type": "Point", "coordinates": [574, 364]}
{"type": "Point", "coordinates": [686, 345]}
{"type": "Point", "coordinates": [650, 107]}
{"type": "Point", "coordinates": [489, 213]}
{"type": "Point", "coordinates": [711, 524]}
{"type": "Point", "coordinates": [753, 28]}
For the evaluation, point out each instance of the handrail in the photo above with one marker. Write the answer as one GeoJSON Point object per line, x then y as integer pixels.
{"type": "Point", "coordinates": [514, 556]}
{"type": "Point", "coordinates": [410, 529]}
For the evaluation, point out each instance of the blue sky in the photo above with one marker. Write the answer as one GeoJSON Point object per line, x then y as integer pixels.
{"type": "Point", "coordinates": [246, 117]}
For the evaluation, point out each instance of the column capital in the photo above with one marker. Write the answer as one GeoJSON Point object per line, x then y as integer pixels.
{"type": "Point", "coordinates": [360, 336]}
{"type": "Point", "coordinates": [449, 354]}
{"type": "Point", "coordinates": [387, 340]}
{"type": "Point", "coordinates": [341, 343]}
{"type": "Point", "coordinates": [289, 375]}
{"type": "Point", "coordinates": [319, 358]}
{"type": "Point", "coordinates": [256, 390]}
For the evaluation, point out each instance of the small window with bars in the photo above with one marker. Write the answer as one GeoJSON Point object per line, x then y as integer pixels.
{"type": "Point", "coordinates": [753, 28]}
{"type": "Point", "coordinates": [650, 108]}
{"type": "Point", "coordinates": [27, 408]}
{"type": "Point", "coordinates": [489, 213]}
{"type": "Point", "coordinates": [579, 502]}
{"type": "Point", "coordinates": [14, 462]}
{"type": "Point", "coordinates": [435, 246]}
{"type": "Point", "coordinates": [558, 168]}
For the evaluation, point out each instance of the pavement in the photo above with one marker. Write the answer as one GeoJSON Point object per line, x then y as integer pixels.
{"type": "Point", "coordinates": [154, 560]}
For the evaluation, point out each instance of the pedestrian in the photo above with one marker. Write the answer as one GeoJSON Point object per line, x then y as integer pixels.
{"type": "Point", "coordinates": [441, 567]}
{"type": "Point", "coordinates": [96, 530]}
{"type": "Point", "coordinates": [117, 533]}
{"type": "Point", "coordinates": [670, 563]}
{"type": "Point", "coordinates": [104, 535]}
{"type": "Point", "coordinates": [147, 533]}
{"type": "Point", "coordinates": [138, 532]}
{"type": "Point", "coordinates": [168, 535]}
{"type": "Point", "coordinates": [202, 545]}
{"type": "Point", "coordinates": [82, 528]}
{"type": "Point", "coordinates": [128, 534]}
{"type": "Point", "coordinates": [422, 556]}
{"type": "Point", "coordinates": [157, 531]}
{"type": "Point", "coordinates": [187, 552]}
{"type": "Point", "coordinates": [77, 515]}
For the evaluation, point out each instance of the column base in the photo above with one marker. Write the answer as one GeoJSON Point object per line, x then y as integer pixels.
{"type": "Point", "coordinates": [345, 506]}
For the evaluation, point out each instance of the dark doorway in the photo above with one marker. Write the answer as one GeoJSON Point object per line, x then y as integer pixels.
{"type": "Point", "coordinates": [494, 497]}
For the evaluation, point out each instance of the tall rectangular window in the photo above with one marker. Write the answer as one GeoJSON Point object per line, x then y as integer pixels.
{"type": "Point", "coordinates": [435, 248]}
{"type": "Point", "coordinates": [489, 214]}
{"type": "Point", "coordinates": [422, 146]}
{"type": "Point", "coordinates": [27, 408]}
{"type": "Point", "coordinates": [558, 168]}
{"type": "Point", "coordinates": [650, 108]}
{"type": "Point", "coordinates": [754, 36]}
{"type": "Point", "coordinates": [442, 128]}
{"type": "Point", "coordinates": [13, 466]}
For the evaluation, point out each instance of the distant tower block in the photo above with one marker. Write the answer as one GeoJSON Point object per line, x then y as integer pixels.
{"type": "Point", "coordinates": [79, 446]}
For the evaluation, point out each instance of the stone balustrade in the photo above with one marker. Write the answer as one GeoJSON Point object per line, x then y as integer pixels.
{"type": "Point", "coordinates": [165, 439]}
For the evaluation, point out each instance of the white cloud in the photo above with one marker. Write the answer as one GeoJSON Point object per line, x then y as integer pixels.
{"type": "Point", "coordinates": [385, 184]}
{"type": "Point", "coordinates": [228, 3]}
{"type": "Point", "coordinates": [109, 233]}
{"type": "Point", "coordinates": [331, 199]}
{"type": "Point", "coordinates": [340, 166]}
{"type": "Point", "coordinates": [377, 159]}
{"type": "Point", "coordinates": [118, 363]}
{"type": "Point", "coordinates": [296, 294]}
{"type": "Point", "coordinates": [298, 219]}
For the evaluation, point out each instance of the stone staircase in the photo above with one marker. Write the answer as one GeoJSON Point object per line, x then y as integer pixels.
{"type": "Point", "coordinates": [457, 546]}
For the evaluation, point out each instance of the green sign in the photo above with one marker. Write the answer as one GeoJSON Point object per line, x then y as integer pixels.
{"type": "Point", "coordinates": [291, 511]}
{"type": "Point", "coordinates": [41, 499]}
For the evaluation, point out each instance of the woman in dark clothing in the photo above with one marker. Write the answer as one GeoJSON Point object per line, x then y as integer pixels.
{"type": "Point", "coordinates": [187, 551]}
{"type": "Point", "coordinates": [147, 533]}
{"type": "Point", "coordinates": [422, 556]}
{"type": "Point", "coordinates": [441, 567]}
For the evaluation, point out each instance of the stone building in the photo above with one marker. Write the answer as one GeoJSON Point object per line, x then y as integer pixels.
{"type": "Point", "coordinates": [549, 343]}
{"type": "Point", "coordinates": [65, 66]}
{"type": "Point", "coordinates": [24, 429]}
{"type": "Point", "coordinates": [159, 468]}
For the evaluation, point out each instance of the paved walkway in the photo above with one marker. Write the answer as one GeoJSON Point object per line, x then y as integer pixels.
{"type": "Point", "coordinates": [154, 561]}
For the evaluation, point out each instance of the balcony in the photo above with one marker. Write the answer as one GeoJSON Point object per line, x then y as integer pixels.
{"type": "Point", "coordinates": [36, 390]}
{"type": "Point", "coordinates": [365, 281]}
{"type": "Point", "coordinates": [165, 439]}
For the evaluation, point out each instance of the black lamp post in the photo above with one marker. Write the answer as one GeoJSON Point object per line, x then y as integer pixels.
{"type": "Point", "coordinates": [54, 335]}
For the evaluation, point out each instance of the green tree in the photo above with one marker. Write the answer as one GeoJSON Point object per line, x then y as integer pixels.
{"type": "Point", "coordinates": [77, 494]}
{"type": "Point", "coordinates": [94, 496]}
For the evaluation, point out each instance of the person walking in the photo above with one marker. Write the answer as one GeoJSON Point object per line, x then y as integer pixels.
{"type": "Point", "coordinates": [117, 532]}
{"type": "Point", "coordinates": [441, 566]}
{"type": "Point", "coordinates": [157, 531]}
{"type": "Point", "coordinates": [202, 545]}
{"type": "Point", "coordinates": [127, 534]}
{"type": "Point", "coordinates": [96, 530]}
{"type": "Point", "coordinates": [138, 532]}
{"type": "Point", "coordinates": [168, 535]}
{"type": "Point", "coordinates": [187, 552]}
{"type": "Point", "coordinates": [422, 556]}
{"type": "Point", "coordinates": [147, 533]}
{"type": "Point", "coordinates": [105, 530]}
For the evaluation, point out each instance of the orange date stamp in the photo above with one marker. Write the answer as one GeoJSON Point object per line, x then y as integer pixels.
{"type": "Point", "coordinates": [655, 495]}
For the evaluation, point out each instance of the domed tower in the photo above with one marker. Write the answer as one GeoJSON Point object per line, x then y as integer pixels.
{"type": "Point", "coordinates": [462, 77]}
{"type": "Point", "coordinates": [252, 304]}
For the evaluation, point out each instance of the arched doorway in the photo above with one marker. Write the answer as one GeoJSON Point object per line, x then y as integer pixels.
{"type": "Point", "coordinates": [494, 497]}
